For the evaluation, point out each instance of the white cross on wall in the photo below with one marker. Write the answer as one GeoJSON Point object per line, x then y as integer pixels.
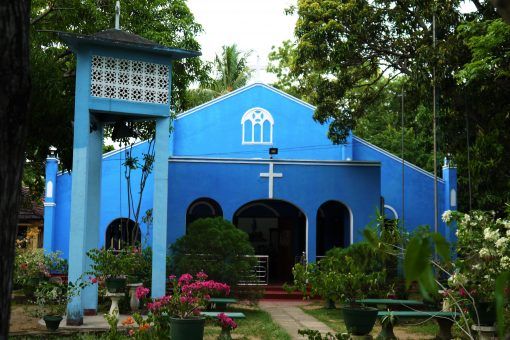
{"type": "Point", "coordinates": [271, 175]}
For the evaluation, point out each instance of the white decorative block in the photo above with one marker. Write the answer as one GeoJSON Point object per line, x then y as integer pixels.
{"type": "Point", "coordinates": [131, 80]}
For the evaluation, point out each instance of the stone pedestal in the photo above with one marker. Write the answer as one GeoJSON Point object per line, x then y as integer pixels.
{"type": "Point", "coordinates": [115, 297]}
{"type": "Point", "coordinates": [134, 303]}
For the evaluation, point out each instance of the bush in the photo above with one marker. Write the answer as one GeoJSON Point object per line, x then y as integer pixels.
{"type": "Point", "coordinates": [33, 266]}
{"type": "Point", "coordinates": [216, 246]}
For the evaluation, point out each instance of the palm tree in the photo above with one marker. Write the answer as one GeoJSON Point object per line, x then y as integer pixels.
{"type": "Point", "coordinates": [230, 72]}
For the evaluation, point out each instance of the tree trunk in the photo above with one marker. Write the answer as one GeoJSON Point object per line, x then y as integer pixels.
{"type": "Point", "coordinates": [14, 98]}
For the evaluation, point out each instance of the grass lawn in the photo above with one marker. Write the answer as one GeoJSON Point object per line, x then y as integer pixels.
{"type": "Point", "coordinates": [406, 329]}
{"type": "Point", "coordinates": [258, 325]}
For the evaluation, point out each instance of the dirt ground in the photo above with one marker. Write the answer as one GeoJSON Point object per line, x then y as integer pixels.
{"type": "Point", "coordinates": [21, 321]}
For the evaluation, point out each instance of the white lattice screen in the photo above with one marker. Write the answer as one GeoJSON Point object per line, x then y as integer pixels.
{"type": "Point", "coordinates": [132, 80]}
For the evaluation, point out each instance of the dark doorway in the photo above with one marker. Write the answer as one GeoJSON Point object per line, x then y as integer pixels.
{"type": "Point", "coordinates": [121, 232]}
{"type": "Point", "coordinates": [333, 226]}
{"type": "Point", "coordinates": [277, 229]}
{"type": "Point", "coordinates": [202, 208]}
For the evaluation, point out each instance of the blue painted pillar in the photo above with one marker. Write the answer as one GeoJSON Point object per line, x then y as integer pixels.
{"type": "Point", "coordinates": [450, 194]}
{"type": "Point", "coordinates": [49, 200]}
{"type": "Point", "coordinates": [347, 149]}
{"type": "Point", "coordinates": [160, 207]}
{"type": "Point", "coordinates": [311, 237]}
{"type": "Point", "coordinates": [89, 294]}
{"type": "Point", "coordinates": [79, 225]}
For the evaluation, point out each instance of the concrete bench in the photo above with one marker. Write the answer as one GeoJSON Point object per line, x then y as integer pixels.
{"type": "Point", "coordinates": [221, 303]}
{"type": "Point", "coordinates": [444, 320]}
{"type": "Point", "coordinates": [232, 315]}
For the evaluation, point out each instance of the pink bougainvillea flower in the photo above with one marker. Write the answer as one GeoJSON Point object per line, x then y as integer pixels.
{"type": "Point", "coordinates": [226, 322]}
{"type": "Point", "coordinates": [171, 277]}
{"type": "Point", "coordinates": [185, 279]}
{"type": "Point", "coordinates": [202, 276]}
{"type": "Point", "coordinates": [141, 292]}
{"type": "Point", "coordinates": [93, 279]}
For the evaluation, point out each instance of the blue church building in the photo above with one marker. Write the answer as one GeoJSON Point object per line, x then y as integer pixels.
{"type": "Point", "coordinates": [308, 197]}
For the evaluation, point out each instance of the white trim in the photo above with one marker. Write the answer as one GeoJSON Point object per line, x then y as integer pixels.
{"type": "Point", "coordinates": [200, 202]}
{"type": "Point", "coordinates": [398, 159]}
{"type": "Point", "coordinates": [49, 189]}
{"type": "Point", "coordinates": [241, 90]}
{"type": "Point", "coordinates": [50, 204]}
{"type": "Point", "coordinates": [392, 210]}
{"type": "Point", "coordinates": [178, 159]}
{"type": "Point", "coordinates": [453, 198]}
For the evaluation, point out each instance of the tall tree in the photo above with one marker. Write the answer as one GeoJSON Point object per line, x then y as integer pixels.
{"type": "Point", "coordinates": [228, 72]}
{"type": "Point", "coordinates": [14, 95]}
{"type": "Point", "coordinates": [348, 54]}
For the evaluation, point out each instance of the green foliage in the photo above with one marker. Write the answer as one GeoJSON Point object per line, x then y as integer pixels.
{"type": "Point", "coordinates": [108, 263]}
{"type": "Point", "coordinates": [52, 297]}
{"type": "Point", "coordinates": [32, 266]}
{"type": "Point", "coordinates": [214, 245]}
{"type": "Point", "coordinates": [345, 274]}
{"type": "Point", "coordinates": [353, 59]}
{"type": "Point", "coordinates": [313, 334]}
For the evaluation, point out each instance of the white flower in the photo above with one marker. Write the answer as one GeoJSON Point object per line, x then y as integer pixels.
{"type": "Point", "coordinates": [457, 279]}
{"type": "Point", "coordinates": [490, 235]}
{"type": "Point", "coordinates": [447, 216]}
{"type": "Point", "coordinates": [501, 242]}
{"type": "Point", "coordinates": [505, 262]}
{"type": "Point", "coordinates": [508, 233]}
{"type": "Point", "coordinates": [477, 266]}
{"type": "Point", "coordinates": [484, 252]}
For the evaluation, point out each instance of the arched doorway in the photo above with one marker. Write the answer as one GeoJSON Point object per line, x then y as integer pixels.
{"type": "Point", "coordinates": [202, 208]}
{"type": "Point", "coordinates": [333, 226]}
{"type": "Point", "coordinates": [276, 228]}
{"type": "Point", "coordinates": [121, 232]}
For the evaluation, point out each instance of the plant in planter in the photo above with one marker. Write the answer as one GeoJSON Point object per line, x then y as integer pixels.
{"type": "Point", "coordinates": [51, 299]}
{"type": "Point", "coordinates": [227, 325]}
{"type": "Point", "coordinates": [179, 313]}
{"type": "Point", "coordinates": [33, 266]}
{"type": "Point", "coordinates": [345, 275]}
{"type": "Point", "coordinates": [110, 267]}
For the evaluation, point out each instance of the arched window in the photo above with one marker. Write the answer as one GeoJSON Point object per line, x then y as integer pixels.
{"type": "Point", "coordinates": [121, 232]}
{"type": "Point", "coordinates": [257, 126]}
{"type": "Point", "coordinates": [203, 208]}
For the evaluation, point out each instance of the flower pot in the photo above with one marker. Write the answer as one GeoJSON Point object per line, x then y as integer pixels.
{"type": "Point", "coordinates": [115, 284]}
{"type": "Point", "coordinates": [359, 320]}
{"type": "Point", "coordinates": [330, 304]}
{"type": "Point", "coordinates": [52, 321]}
{"type": "Point", "coordinates": [486, 313]}
{"type": "Point", "coordinates": [225, 334]}
{"type": "Point", "coordinates": [187, 329]}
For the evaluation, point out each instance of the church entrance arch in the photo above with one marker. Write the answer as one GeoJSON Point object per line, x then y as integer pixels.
{"type": "Point", "coordinates": [277, 229]}
{"type": "Point", "coordinates": [122, 232]}
{"type": "Point", "coordinates": [202, 208]}
{"type": "Point", "coordinates": [333, 226]}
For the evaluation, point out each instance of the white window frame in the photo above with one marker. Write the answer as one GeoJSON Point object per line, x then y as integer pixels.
{"type": "Point", "coordinates": [248, 116]}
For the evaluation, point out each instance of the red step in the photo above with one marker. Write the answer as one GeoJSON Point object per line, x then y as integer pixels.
{"type": "Point", "coordinates": [276, 292]}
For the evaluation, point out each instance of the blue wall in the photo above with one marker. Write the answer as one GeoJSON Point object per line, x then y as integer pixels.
{"type": "Point", "coordinates": [418, 186]}
{"type": "Point", "coordinates": [307, 185]}
{"type": "Point", "coordinates": [214, 129]}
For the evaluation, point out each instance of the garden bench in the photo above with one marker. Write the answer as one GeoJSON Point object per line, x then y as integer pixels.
{"type": "Point", "coordinates": [391, 302]}
{"type": "Point", "coordinates": [232, 315]}
{"type": "Point", "coordinates": [444, 320]}
{"type": "Point", "coordinates": [221, 303]}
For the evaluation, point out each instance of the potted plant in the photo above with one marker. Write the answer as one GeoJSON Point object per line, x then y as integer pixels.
{"type": "Point", "coordinates": [179, 313]}
{"type": "Point", "coordinates": [345, 275]}
{"type": "Point", "coordinates": [51, 299]}
{"type": "Point", "coordinates": [227, 325]}
{"type": "Point", "coordinates": [111, 267]}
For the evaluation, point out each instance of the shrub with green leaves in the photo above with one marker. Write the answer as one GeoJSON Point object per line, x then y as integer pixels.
{"type": "Point", "coordinates": [345, 274]}
{"type": "Point", "coordinates": [216, 246]}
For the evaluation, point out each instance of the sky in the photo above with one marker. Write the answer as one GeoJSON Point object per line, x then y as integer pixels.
{"type": "Point", "coordinates": [255, 25]}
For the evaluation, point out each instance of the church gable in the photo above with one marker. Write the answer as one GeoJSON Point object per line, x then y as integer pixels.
{"type": "Point", "coordinates": [249, 121]}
